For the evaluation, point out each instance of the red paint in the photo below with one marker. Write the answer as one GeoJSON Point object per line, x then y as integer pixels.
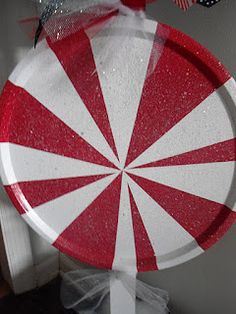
{"type": "Point", "coordinates": [135, 4]}
{"type": "Point", "coordinates": [75, 55]}
{"type": "Point", "coordinates": [91, 237]}
{"type": "Point", "coordinates": [42, 191]}
{"type": "Point", "coordinates": [146, 259]}
{"type": "Point", "coordinates": [205, 220]}
{"type": "Point", "coordinates": [184, 76]}
{"type": "Point", "coordinates": [16, 198]}
{"type": "Point", "coordinates": [219, 152]}
{"type": "Point", "coordinates": [25, 121]}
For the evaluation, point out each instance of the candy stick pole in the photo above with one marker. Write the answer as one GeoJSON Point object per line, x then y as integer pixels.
{"type": "Point", "coordinates": [121, 301]}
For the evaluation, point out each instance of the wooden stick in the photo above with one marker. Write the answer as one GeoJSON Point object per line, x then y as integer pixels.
{"type": "Point", "coordinates": [121, 301]}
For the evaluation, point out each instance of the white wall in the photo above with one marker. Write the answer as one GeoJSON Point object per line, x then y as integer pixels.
{"type": "Point", "coordinates": [12, 39]}
{"type": "Point", "coordinates": [207, 284]}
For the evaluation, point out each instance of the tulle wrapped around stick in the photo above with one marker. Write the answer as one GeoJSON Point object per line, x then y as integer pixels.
{"type": "Point", "coordinates": [95, 17]}
{"type": "Point", "coordinates": [87, 292]}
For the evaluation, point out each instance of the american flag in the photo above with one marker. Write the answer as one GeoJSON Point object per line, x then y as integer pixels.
{"type": "Point", "coordinates": [185, 4]}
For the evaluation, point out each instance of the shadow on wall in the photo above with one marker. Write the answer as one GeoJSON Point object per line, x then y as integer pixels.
{"type": "Point", "coordinates": [214, 28]}
{"type": "Point", "coordinates": [13, 42]}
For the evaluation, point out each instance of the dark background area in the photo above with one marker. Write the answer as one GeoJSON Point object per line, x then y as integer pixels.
{"type": "Point", "coordinates": [39, 301]}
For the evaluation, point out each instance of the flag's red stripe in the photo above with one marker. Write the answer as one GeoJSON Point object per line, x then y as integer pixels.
{"type": "Point", "coordinates": [185, 4]}
{"type": "Point", "coordinates": [42, 191]}
{"type": "Point", "coordinates": [75, 55]}
{"type": "Point", "coordinates": [219, 152]}
{"type": "Point", "coordinates": [205, 220]}
{"type": "Point", "coordinates": [185, 75]}
{"type": "Point", "coordinates": [91, 237]}
{"type": "Point", "coordinates": [146, 259]}
{"type": "Point", "coordinates": [25, 121]}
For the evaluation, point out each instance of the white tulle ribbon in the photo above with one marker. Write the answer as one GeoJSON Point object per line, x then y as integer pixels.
{"type": "Point", "coordinates": [93, 15]}
{"type": "Point", "coordinates": [57, 16]}
{"type": "Point", "coordinates": [87, 291]}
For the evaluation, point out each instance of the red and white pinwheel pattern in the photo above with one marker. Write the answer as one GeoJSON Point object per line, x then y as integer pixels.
{"type": "Point", "coordinates": [114, 167]}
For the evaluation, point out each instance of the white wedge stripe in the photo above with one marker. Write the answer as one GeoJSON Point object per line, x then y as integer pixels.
{"type": "Point", "coordinates": [27, 164]}
{"type": "Point", "coordinates": [65, 208]}
{"type": "Point", "coordinates": [211, 181]}
{"type": "Point", "coordinates": [122, 74]}
{"type": "Point", "coordinates": [125, 253]}
{"type": "Point", "coordinates": [207, 124]}
{"type": "Point", "coordinates": [59, 96]}
{"type": "Point", "coordinates": [169, 240]}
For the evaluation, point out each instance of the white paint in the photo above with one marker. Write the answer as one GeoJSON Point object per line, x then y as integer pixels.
{"type": "Point", "coordinates": [207, 124]}
{"type": "Point", "coordinates": [211, 181]}
{"type": "Point", "coordinates": [122, 66]}
{"type": "Point", "coordinates": [40, 226]}
{"type": "Point", "coordinates": [17, 248]}
{"type": "Point", "coordinates": [170, 241]}
{"type": "Point", "coordinates": [52, 218]}
{"type": "Point", "coordinates": [6, 168]}
{"type": "Point", "coordinates": [45, 257]}
{"type": "Point", "coordinates": [20, 163]}
{"type": "Point", "coordinates": [42, 75]}
{"type": "Point", "coordinates": [125, 253]}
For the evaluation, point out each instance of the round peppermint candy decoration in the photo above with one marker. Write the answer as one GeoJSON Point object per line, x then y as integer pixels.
{"type": "Point", "coordinates": [127, 165]}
